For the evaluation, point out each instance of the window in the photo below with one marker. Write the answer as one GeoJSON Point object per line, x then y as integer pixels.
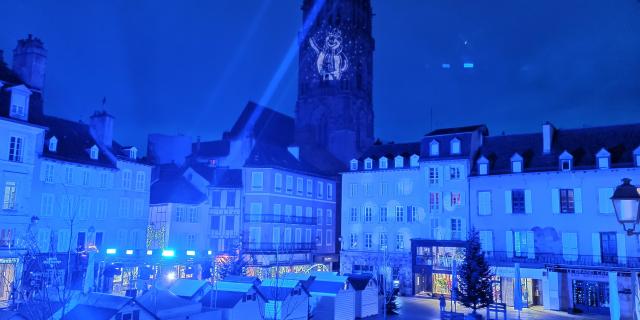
{"type": "Point", "coordinates": [483, 169]}
{"type": "Point", "coordinates": [354, 190]}
{"type": "Point", "coordinates": [256, 180]}
{"type": "Point", "coordinates": [523, 243]}
{"type": "Point", "coordinates": [367, 189]}
{"type": "Point", "coordinates": [140, 180]}
{"type": "Point", "coordinates": [384, 188]}
{"type": "Point", "coordinates": [399, 213]}
{"type": "Point", "coordinates": [353, 165]}
{"type": "Point", "coordinates": [435, 229]}
{"type": "Point", "coordinates": [104, 179]}
{"type": "Point", "coordinates": [516, 166]}
{"type": "Point", "coordinates": [354, 241]}
{"type": "Point", "coordinates": [434, 202]}
{"type": "Point", "coordinates": [287, 235]}
{"type": "Point", "coordinates": [319, 216]}
{"type": "Point", "coordinates": [368, 164]}
{"type": "Point", "coordinates": [434, 175]}
{"type": "Point", "coordinates": [47, 204]}
{"type": "Point", "coordinates": [413, 160]}
{"type": "Point", "coordinates": [83, 208]}
{"type": "Point", "coordinates": [567, 204]}
{"type": "Point", "coordinates": [456, 199]}
{"type": "Point", "coordinates": [329, 191]}
{"type": "Point", "coordinates": [101, 209]}
{"type": "Point", "coordinates": [603, 163]}
{"type": "Point", "coordinates": [192, 213]}
{"type": "Point", "coordinates": [383, 240]}
{"type": "Point", "coordinates": [124, 208]}
{"type": "Point", "coordinates": [383, 214]}
{"type": "Point", "coordinates": [398, 162]}
{"type": "Point", "coordinates": [85, 177]}
{"type": "Point", "coordinates": [383, 163]}
{"type": "Point", "coordinates": [368, 214]}
{"type": "Point", "coordinates": [308, 212]}
{"type": "Point", "coordinates": [9, 200]}
{"type": "Point", "coordinates": [517, 201]}
{"type": "Point", "coordinates": [48, 173]}
{"type": "Point", "coordinates": [231, 199]}
{"type": "Point", "coordinates": [216, 198]}
{"type": "Point", "coordinates": [400, 242]}
{"type": "Point", "coordinates": [191, 241]}
{"type": "Point", "coordinates": [608, 247]}
{"type": "Point", "coordinates": [19, 102]}
{"type": "Point", "coordinates": [16, 145]}
{"type": "Point", "coordinates": [309, 188]}
{"type": "Point", "coordinates": [53, 144]}
{"type": "Point", "coordinates": [126, 179]}
{"type": "Point", "coordinates": [565, 165]}
{"type": "Point", "coordinates": [215, 223]}
{"type": "Point", "coordinates": [133, 153]}
{"type": "Point", "coordinates": [307, 236]}
{"type": "Point", "coordinates": [298, 211]}
{"type": "Point", "coordinates": [354, 214]}
{"type": "Point", "coordinates": [229, 223]}
{"type": "Point", "coordinates": [299, 186]}
{"type": "Point", "coordinates": [329, 217]}
{"type": "Point", "coordinates": [484, 203]}
{"type": "Point", "coordinates": [288, 210]}
{"type": "Point", "coordinates": [434, 148]}
{"type": "Point", "coordinates": [321, 189]}
{"type": "Point", "coordinates": [456, 229]}
{"type": "Point", "coordinates": [255, 208]}
{"type": "Point", "coordinates": [454, 173]}
{"type": "Point", "coordinates": [412, 214]}
{"type": "Point", "coordinates": [328, 238]}
{"type": "Point", "coordinates": [318, 237]}
{"type": "Point", "coordinates": [277, 209]}
{"type": "Point", "coordinates": [277, 184]}
{"type": "Point", "coordinates": [289, 184]}
{"type": "Point", "coordinates": [455, 146]}
{"type": "Point", "coordinates": [368, 240]}
{"type": "Point", "coordinates": [93, 152]}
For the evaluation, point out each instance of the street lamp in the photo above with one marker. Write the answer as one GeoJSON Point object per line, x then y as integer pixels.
{"type": "Point", "coordinates": [625, 203]}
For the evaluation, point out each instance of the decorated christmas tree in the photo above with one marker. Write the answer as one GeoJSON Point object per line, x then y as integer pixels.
{"type": "Point", "coordinates": [474, 286]}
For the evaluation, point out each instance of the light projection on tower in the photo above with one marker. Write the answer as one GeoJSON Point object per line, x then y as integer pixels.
{"type": "Point", "coordinates": [331, 61]}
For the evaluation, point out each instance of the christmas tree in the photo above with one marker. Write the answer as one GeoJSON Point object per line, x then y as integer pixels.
{"type": "Point", "coordinates": [474, 286]}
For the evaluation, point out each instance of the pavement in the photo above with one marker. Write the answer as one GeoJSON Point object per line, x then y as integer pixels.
{"type": "Point", "coordinates": [414, 308]}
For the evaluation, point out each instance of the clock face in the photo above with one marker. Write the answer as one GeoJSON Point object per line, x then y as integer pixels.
{"type": "Point", "coordinates": [331, 63]}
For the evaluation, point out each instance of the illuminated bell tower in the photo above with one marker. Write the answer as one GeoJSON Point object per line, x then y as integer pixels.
{"type": "Point", "coordinates": [334, 110]}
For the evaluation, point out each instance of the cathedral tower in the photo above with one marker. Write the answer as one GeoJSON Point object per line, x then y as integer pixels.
{"type": "Point", "coordinates": [334, 110]}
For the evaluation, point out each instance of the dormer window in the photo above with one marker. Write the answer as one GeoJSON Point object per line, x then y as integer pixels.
{"type": "Point", "coordinates": [516, 163]}
{"type": "Point", "coordinates": [604, 159]}
{"type": "Point", "coordinates": [398, 162]}
{"type": "Point", "coordinates": [53, 144]}
{"type": "Point", "coordinates": [353, 165]}
{"type": "Point", "coordinates": [413, 161]}
{"type": "Point", "coordinates": [19, 108]}
{"type": "Point", "coordinates": [434, 148]}
{"type": "Point", "coordinates": [383, 163]}
{"type": "Point", "coordinates": [133, 153]}
{"type": "Point", "coordinates": [566, 161]}
{"type": "Point", "coordinates": [93, 153]}
{"type": "Point", "coordinates": [455, 146]}
{"type": "Point", "coordinates": [636, 155]}
{"type": "Point", "coordinates": [368, 164]}
{"type": "Point", "coordinates": [483, 166]}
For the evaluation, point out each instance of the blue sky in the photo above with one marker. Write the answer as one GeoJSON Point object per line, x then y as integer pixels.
{"type": "Point", "coordinates": [190, 66]}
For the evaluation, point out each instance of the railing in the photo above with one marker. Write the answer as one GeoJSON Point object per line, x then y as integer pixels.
{"type": "Point", "coordinates": [502, 258]}
{"type": "Point", "coordinates": [280, 247]}
{"type": "Point", "coordinates": [277, 218]}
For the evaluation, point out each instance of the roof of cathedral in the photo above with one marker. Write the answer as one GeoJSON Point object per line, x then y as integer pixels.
{"type": "Point", "coordinates": [465, 129]}
{"type": "Point", "coordinates": [583, 144]}
{"type": "Point", "coordinates": [172, 187]}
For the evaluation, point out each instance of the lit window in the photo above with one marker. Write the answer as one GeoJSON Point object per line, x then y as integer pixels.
{"type": "Point", "coordinates": [9, 200]}
{"type": "Point", "coordinates": [434, 202]}
{"type": "Point", "coordinates": [53, 144]}
{"type": "Point", "coordinates": [16, 145]}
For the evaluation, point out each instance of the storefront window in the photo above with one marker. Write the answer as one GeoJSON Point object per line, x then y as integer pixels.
{"type": "Point", "coordinates": [591, 295]}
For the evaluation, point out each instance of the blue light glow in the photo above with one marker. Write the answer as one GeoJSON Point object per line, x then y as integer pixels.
{"type": "Point", "coordinates": [129, 252]}
{"type": "Point", "coordinates": [191, 253]}
{"type": "Point", "coordinates": [111, 251]}
{"type": "Point", "coordinates": [149, 252]}
{"type": "Point", "coordinates": [168, 253]}
{"type": "Point", "coordinates": [446, 66]}
{"type": "Point", "coordinates": [468, 65]}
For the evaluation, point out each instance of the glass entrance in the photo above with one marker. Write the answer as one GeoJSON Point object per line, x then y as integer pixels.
{"type": "Point", "coordinates": [591, 296]}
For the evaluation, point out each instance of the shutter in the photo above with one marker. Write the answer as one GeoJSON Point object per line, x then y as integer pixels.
{"type": "Point", "coordinates": [527, 201]}
{"type": "Point", "coordinates": [577, 199]}
{"type": "Point", "coordinates": [440, 180]}
{"type": "Point", "coordinates": [555, 200]}
{"type": "Point", "coordinates": [604, 200]}
{"type": "Point", "coordinates": [43, 167]}
{"type": "Point", "coordinates": [463, 172]}
{"type": "Point", "coordinates": [509, 243]}
{"type": "Point", "coordinates": [447, 172]}
{"type": "Point", "coordinates": [622, 248]}
{"type": "Point", "coordinates": [507, 202]}
{"type": "Point", "coordinates": [531, 248]}
{"type": "Point", "coordinates": [446, 199]}
{"type": "Point", "coordinates": [517, 242]}
{"type": "Point", "coordinates": [595, 245]}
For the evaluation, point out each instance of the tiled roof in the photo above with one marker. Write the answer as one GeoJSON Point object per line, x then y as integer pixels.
{"type": "Point", "coordinates": [583, 144]}
{"type": "Point", "coordinates": [466, 129]}
{"type": "Point", "coordinates": [171, 187]}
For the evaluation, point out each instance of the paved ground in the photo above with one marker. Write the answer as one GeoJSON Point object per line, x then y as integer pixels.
{"type": "Point", "coordinates": [414, 308]}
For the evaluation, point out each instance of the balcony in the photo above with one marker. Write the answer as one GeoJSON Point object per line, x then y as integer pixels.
{"type": "Point", "coordinates": [500, 258]}
{"type": "Point", "coordinates": [272, 247]}
{"type": "Point", "coordinates": [276, 218]}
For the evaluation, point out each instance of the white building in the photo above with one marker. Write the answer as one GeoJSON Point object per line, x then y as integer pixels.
{"type": "Point", "coordinates": [543, 200]}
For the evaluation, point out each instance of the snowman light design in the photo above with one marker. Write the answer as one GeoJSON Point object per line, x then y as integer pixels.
{"type": "Point", "coordinates": [331, 61]}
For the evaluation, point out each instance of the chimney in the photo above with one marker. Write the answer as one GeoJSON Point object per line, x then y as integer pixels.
{"type": "Point", "coordinates": [29, 61]}
{"type": "Point", "coordinates": [547, 137]}
{"type": "Point", "coordinates": [102, 128]}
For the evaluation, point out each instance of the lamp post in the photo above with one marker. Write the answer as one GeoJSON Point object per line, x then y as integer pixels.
{"type": "Point", "coordinates": [625, 203]}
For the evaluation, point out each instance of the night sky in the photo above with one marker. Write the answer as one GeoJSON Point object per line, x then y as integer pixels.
{"type": "Point", "coordinates": [190, 66]}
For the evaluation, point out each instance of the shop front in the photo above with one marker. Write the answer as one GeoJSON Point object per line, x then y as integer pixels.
{"type": "Point", "coordinates": [432, 262]}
